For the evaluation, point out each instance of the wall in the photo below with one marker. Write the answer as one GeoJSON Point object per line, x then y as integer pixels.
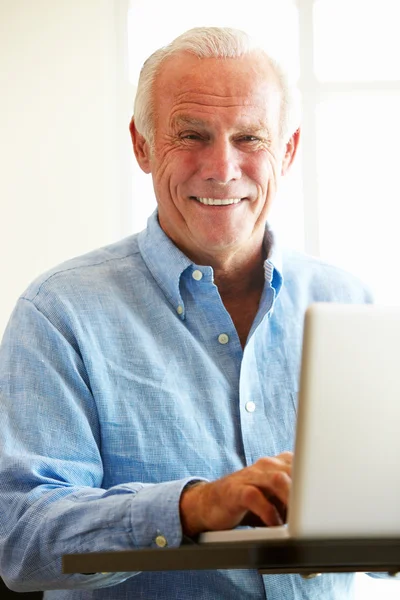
{"type": "Point", "coordinates": [61, 130]}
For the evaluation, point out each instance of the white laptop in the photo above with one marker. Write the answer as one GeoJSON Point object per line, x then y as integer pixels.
{"type": "Point", "coordinates": [346, 471]}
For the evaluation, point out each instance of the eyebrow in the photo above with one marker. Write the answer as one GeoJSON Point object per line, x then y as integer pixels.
{"type": "Point", "coordinates": [186, 121]}
{"type": "Point", "coordinates": [183, 121]}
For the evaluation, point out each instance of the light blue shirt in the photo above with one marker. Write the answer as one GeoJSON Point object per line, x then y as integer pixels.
{"type": "Point", "coordinates": [122, 378]}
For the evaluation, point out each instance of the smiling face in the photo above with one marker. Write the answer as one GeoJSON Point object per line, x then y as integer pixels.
{"type": "Point", "coordinates": [217, 155]}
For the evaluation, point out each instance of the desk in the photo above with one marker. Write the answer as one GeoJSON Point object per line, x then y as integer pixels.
{"type": "Point", "coordinates": [306, 557]}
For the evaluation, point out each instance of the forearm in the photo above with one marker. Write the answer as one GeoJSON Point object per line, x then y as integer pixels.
{"type": "Point", "coordinates": [78, 520]}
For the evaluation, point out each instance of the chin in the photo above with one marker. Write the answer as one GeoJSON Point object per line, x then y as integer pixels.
{"type": "Point", "coordinates": [214, 245]}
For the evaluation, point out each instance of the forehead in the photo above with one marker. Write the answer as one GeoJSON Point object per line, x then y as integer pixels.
{"type": "Point", "coordinates": [247, 87]}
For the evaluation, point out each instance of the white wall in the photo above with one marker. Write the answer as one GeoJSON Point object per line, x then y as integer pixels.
{"type": "Point", "coordinates": [63, 136]}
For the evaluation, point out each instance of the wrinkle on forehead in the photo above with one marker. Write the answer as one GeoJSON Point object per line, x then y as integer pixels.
{"type": "Point", "coordinates": [200, 87]}
{"type": "Point", "coordinates": [188, 72]}
{"type": "Point", "coordinates": [220, 100]}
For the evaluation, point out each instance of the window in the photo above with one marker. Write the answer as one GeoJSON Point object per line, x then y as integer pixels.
{"type": "Point", "coordinates": [354, 79]}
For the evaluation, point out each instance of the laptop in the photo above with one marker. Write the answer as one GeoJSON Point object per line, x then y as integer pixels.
{"type": "Point", "coordinates": [346, 470]}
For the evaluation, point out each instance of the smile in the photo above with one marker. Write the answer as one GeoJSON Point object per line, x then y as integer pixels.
{"type": "Point", "coordinates": [217, 201]}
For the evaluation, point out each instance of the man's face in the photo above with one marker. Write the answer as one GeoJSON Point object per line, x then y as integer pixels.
{"type": "Point", "coordinates": [217, 155]}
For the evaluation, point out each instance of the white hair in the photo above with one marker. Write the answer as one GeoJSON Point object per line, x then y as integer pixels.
{"type": "Point", "coordinates": [211, 42]}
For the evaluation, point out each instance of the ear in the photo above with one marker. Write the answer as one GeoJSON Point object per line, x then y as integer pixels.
{"type": "Point", "coordinates": [140, 147]}
{"type": "Point", "coordinates": [290, 152]}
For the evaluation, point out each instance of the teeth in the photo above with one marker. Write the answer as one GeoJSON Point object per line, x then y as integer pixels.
{"type": "Point", "coordinates": [216, 202]}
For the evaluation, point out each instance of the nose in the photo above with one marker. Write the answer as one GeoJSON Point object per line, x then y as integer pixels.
{"type": "Point", "coordinates": [220, 162]}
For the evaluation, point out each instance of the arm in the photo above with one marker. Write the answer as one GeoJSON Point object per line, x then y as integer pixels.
{"type": "Point", "coordinates": [51, 497]}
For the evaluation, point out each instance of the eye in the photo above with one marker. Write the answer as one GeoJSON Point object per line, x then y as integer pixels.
{"type": "Point", "coordinates": [191, 135]}
{"type": "Point", "coordinates": [249, 138]}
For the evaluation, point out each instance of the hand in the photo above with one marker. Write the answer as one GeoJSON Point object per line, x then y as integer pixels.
{"type": "Point", "coordinates": [254, 495]}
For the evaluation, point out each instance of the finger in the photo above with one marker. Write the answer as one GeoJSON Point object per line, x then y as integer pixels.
{"type": "Point", "coordinates": [272, 483]}
{"type": "Point", "coordinates": [256, 502]}
{"type": "Point", "coordinates": [286, 457]}
{"type": "Point", "coordinates": [251, 520]}
{"type": "Point", "coordinates": [272, 464]}
{"type": "Point", "coordinates": [280, 507]}
{"type": "Point", "coordinates": [278, 488]}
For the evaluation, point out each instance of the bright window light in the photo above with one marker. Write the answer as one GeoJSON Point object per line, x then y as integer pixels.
{"type": "Point", "coordinates": [357, 40]}
{"type": "Point", "coordinates": [263, 19]}
{"type": "Point", "coordinates": [359, 187]}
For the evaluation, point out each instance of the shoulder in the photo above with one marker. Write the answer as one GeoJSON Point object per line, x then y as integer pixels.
{"type": "Point", "coordinates": [91, 272]}
{"type": "Point", "coordinates": [320, 280]}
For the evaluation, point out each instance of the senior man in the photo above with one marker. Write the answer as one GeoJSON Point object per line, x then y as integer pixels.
{"type": "Point", "coordinates": [171, 357]}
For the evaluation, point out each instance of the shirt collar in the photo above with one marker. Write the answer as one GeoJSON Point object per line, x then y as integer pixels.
{"type": "Point", "coordinates": [273, 264]}
{"type": "Point", "coordinates": [167, 263]}
{"type": "Point", "coordinates": [164, 260]}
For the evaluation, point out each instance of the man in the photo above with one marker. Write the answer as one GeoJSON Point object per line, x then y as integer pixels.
{"type": "Point", "coordinates": [148, 389]}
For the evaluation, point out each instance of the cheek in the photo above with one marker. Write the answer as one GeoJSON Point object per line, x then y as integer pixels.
{"type": "Point", "coordinates": [187, 161]}
{"type": "Point", "coordinates": [270, 170]}
{"type": "Point", "coordinates": [162, 169]}
{"type": "Point", "coordinates": [261, 172]}
{"type": "Point", "coordinates": [182, 169]}
{"type": "Point", "coordinates": [174, 166]}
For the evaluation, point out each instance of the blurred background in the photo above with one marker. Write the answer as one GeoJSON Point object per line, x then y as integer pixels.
{"type": "Point", "coordinates": [69, 183]}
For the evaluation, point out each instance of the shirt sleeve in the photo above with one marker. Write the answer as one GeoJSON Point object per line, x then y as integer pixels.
{"type": "Point", "coordinates": [51, 497]}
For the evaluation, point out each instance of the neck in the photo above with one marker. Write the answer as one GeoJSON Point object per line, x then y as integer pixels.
{"type": "Point", "coordinates": [240, 281]}
{"type": "Point", "coordinates": [239, 278]}
{"type": "Point", "coordinates": [240, 290]}
{"type": "Point", "coordinates": [238, 275]}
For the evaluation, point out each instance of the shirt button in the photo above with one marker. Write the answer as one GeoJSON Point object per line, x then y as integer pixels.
{"type": "Point", "coordinates": [197, 275]}
{"type": "Point", "coordinates": [250, 406]}
{"type": "Point", "coordinates": [179, 309]}
{"type": "Point", "coordinates": [161, 541]}
{"type": "Point", "coordinates": [223, 338]}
